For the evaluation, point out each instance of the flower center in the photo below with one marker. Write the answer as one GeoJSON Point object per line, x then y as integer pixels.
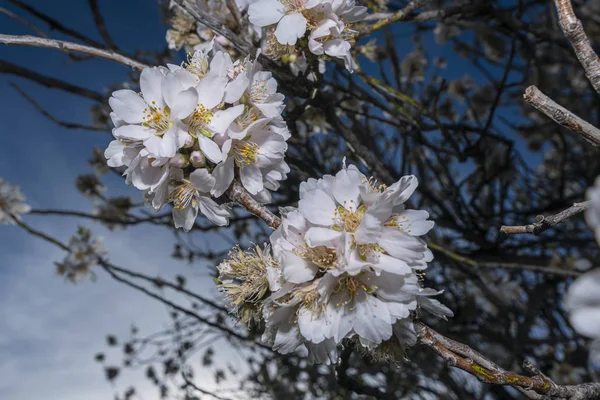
{"type": "Point", "coordinates": [183, 195]}
{"type": "Point", "coordinates": [348, 219]}
{"type": "Point", "coordinates": [245, 153]}
{"type": "Point", "coordinates": [157, 118]}
{"type": "Point", "coordinates": [197, 64]}
{"type": "Point", "coordinates": [259, 92]}
{"type": "Point", "coordinates": [198, 120]}
{"type": "Point", "coordinates": [322, 256]}
{"type": "Point", "coordinates": [294, 5]}
{"type": "Point", "coordinates": [350, 285]}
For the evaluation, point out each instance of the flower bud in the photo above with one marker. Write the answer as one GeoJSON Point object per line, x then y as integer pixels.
{"type": "Point", "coordinates": [189, 141]}
{"type": "Point", "coordinates": [179, 161]}
{"type": "Point", "coordinates": [197, 159]}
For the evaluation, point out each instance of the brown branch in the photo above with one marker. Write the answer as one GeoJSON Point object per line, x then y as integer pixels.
{"type": "Point", "coordinates": [34, 41]}
{"type": "Point", "coordinates": [237, 16]}
{"type": "Point", "coordinates": [22, 72]}
{"type": "Point", "coordinates": [55, 24]}
{"type": "Point", "coordinates": [99, 20]}
{"type": "Point", "coordinates": [64, 124]}
{"type": "Point", "coordinates": [573, 30]}
{"type": "Point", "coordinates": [543, 223]}
{"type": "Point", "coordinates": [239, 195]}
{"type": "Point", "coordinates": [463, 357]}
{"type": "Point", "coordinates": [561, 115]}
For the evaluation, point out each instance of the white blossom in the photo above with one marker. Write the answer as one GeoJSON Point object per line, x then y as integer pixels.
{"type": "Point", "coordinates": [348, 258]}
{"type": "Point", "coordinates": [182, 139]}
{"type": "Point", "coordinates": [84, 253]}
{"type": "Point", "coordinates": [12, 203]}
{"type": "Point", "coordinates": [326, 21]}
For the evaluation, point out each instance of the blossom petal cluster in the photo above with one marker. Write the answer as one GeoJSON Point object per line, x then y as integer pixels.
{"type": "Point", "coordinates": [194, 127]}
{"type": "Point", "coordinates": [325, 23]}
{"type": "Point", "coordinates": [12, 203]}
{"type": "Point", "coordinates": [346, 263]}
{"type": "Point", "coordinates": [84, 251]}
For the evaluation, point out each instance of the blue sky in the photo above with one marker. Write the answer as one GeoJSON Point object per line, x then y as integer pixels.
{"type": "Point", "coordinates": [50, 329]}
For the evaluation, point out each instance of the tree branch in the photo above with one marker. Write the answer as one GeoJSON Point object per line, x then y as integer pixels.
{"type": "Point", "coordinates": [463, 357]}
{"type": "Point", "coordinates": [238, 194]}
{"type": "Point", "coordinates": [34, 41]}
{"type": "Point", "coordinates": [22, 72]}
{"type": "Point", "coordinates": [543, 223]}
{"type": "Point", "coordinates": [100, 24]}
{"type": "Point", "coordinates": [561, 115]}
{"type": "Point", "coordinates": [573, 30]}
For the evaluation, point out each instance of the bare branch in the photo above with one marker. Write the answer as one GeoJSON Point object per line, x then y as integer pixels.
{"type": "Point", "coordinates": [543, 223]}
{"type": "Point", "coordinates": [22, 21]}
{"type": "Point", "coordinates": [239, 195]}
{"type": "Point", "coordinates": [99, 20]}
{"type": "Point", "coordinates": [461, 356]}
{"type": "Point", "coordinates": [64, 124]}
{"type": "Point", "coordinates": [55, 24]}
{"type": "Point", "coordinates": [22, 72]}
{"type": "Point", "coordinates": [34, 41]}
{"type": "Point", "coordinates": [561, 115]}
{"type": "Point", "coordinates": [573, 30]}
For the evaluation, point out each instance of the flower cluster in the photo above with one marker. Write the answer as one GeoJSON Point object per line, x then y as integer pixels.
{"type": "Point", "coordinates": [12, 203]}
{"type": "Point", "coordinates": [83, 255]}
{"type": "Point", "coordinates": [347, 264]}
{"type": "Point", "coordinates": [326, 23]}
{"type": "Point", "coordinates": [194, 127]}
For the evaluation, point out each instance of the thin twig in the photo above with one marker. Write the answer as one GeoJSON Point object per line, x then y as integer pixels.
{"type": "Point", "coordinates": [22, 72]}
{"type": "Point", "coordinates": [238, 194]}
{"type": "Point", "coordinates": [543, 223]}
{"type": "Point", "coordinates": [34, 41]}
{"type": "Point", "coordinates": [573, 30]}
{"type": "Point", "coordinates": [99, 20]}
{"type": "Point", "coordinates": [22, 21]}
{"type": "Point", "coordinates": [68, 125]}
{"type": "Point", "coordinates": [561, 115]}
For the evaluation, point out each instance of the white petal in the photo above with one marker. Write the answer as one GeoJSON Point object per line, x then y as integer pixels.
{"type": "Point", "coordinates": [317, 236]}
{"type": "Point", "coordinates": [403, 189]}
{"type": "Point", "coordinates": [437, 308]}
{"type": "Point", "coordinates": [211, 90]}
{"type": "Point", "coordinates": [317, 207]}
{"type": "Point", "coordinates": [290, 28]}
{"type": "Point", "coordinates": [216, 213]}
{"type": "Point", "coordinates": [223, 174]}
{"type": "Point", "coordinates": [185, 218]}
{"type": "Point", "coordinates": [392, 265]}
{"type": "Point", "coordinates": [402, 246]}
{"type": "Point", "coordinates": [210, 149]}
{"type": "Point", "coordinates": [345, 187]}
{"type": "Point", "coordinates": [336, 47]}
{"type": "Point", "coordinates": [202, 180]}
{"type": "Point", "coordinates": [295, 269]}
{"type": "Point", "coordinates": [223, 119]}
{"type": "Point", "coordinates": [128, 105]}
{"type": "Point", "coordinates": [151, 85]}
{"type": "Point", "coordinates": [372, 318]}
{"type": "Point", "coordinates": [184, 103]}
{"type": "Point", "coordinates": [266, 12]}
{"type": "Point", "coordinates": [310, 326]}
{"type": "Point", "coordinates": [369, 230]}
{"type": "Point", "coordinates": [133, 132]}
{"type": "Point", "coordinates": [251, 178]}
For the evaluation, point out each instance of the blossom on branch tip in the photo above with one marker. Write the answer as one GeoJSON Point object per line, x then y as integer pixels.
{"type": "Point", "coordinates": [12, 203]}
{"type": "Point", "coordinates": [84, 252]}
{"type": "Point", "coordinates": [328, 23]}
{"type": "Point", "coordinates": [348, 262]}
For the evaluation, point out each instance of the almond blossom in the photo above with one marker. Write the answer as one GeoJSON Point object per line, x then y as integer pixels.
{"type": "Point", "coordinates": [12, 203]}
{"type": "Point", "coordinates": [182, 139]}
{"type": "Point", "coordinates": [328, 23]}
{"type": "Point", "coordinates": [347, 264]}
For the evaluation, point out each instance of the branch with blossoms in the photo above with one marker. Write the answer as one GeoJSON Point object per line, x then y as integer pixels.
{"type": "Point", "coordinates": [347, 263]}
